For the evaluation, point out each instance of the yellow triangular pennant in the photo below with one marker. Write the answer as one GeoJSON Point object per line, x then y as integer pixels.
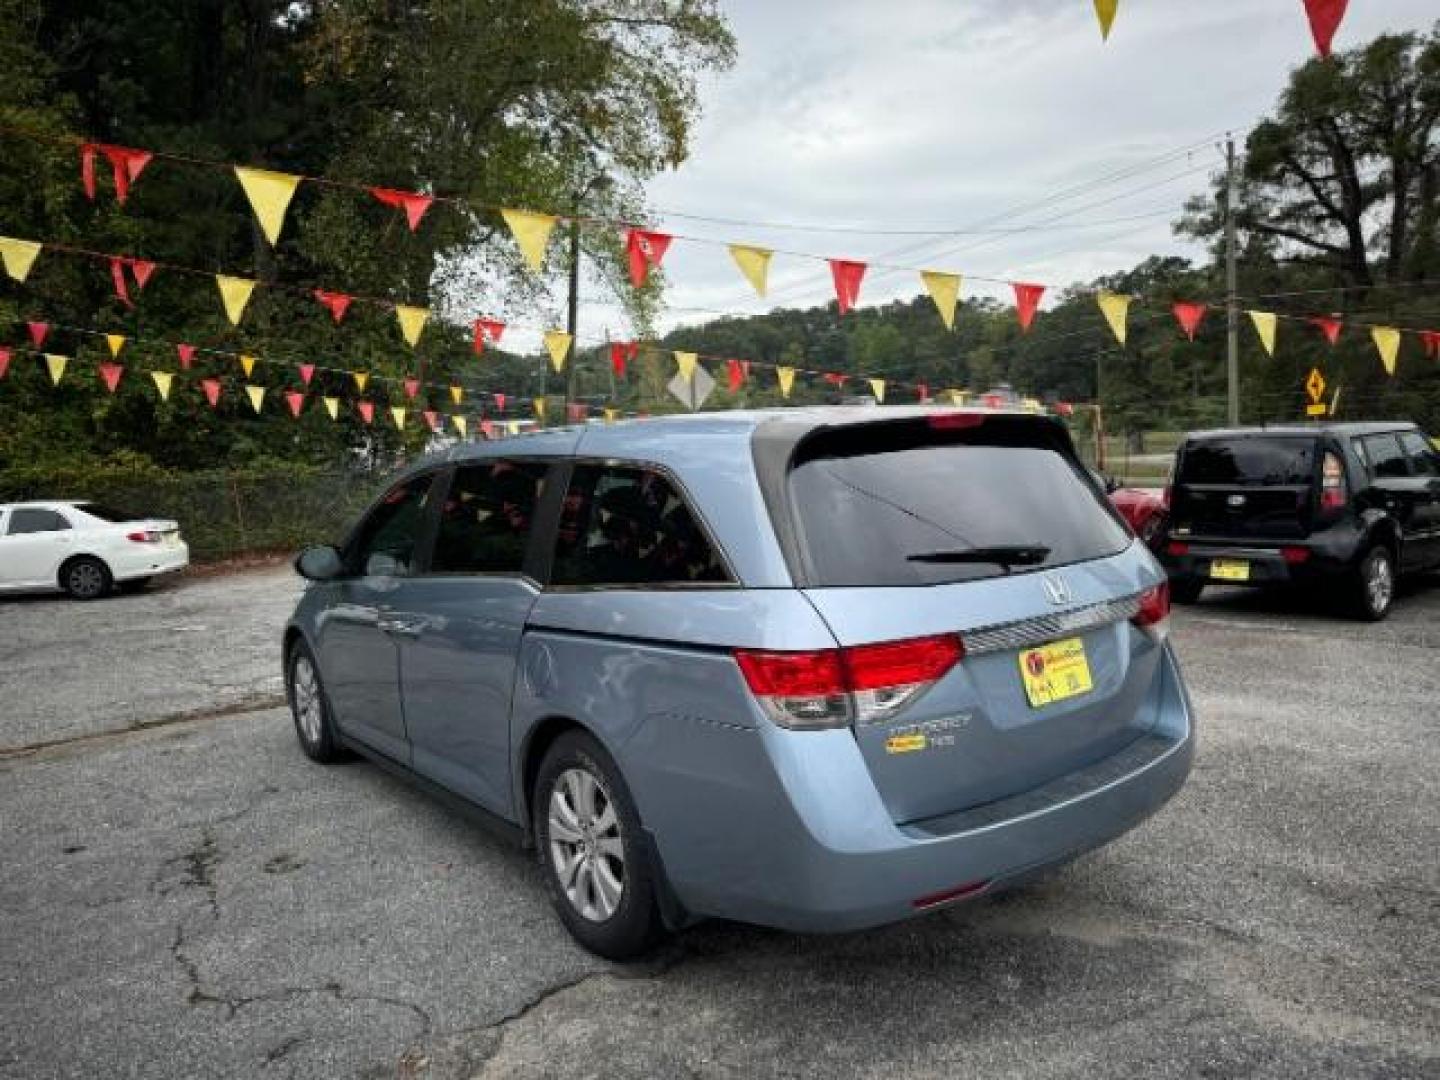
{"type": "Point", "coordinates": [540, 408]}
{"type": "Point", "coordinates": [944, 289]}
{"type": "Point", "coordinates": [397, 412]}
{"type": "Point", "coordinates": [557, 342]}
{"type": "Point", "coordinates": [457, 394]}
{"type": "Point", "coordinates": [611, 415]}
{"type": "Point", "coordinates": [957, 397]}
{"type": "Point", "coordinates": [512, 427]}
{"type": "Point", "coordinates": [19, 256]}
{"type": "Point", "coordinates": [116, 343]}
{"type": "Point", "coordinates": [532, 233]}
{"type": "Point", "coordinates": [754, 263]}
{"type": "Point", "coordinates": [256, 395]}
{"type": "Point", "coordinates": [460, 425]}
{"type": "Point", "coordinates": [270, 194]}
{"type": "Point", "coordinates": [362, 380]}
{"type": "Point", "coordinates": [1116, 309]}
{"type": "Point", "coordinates": [877, 387]}
{"type": "Point", "coordinates": [247, 364]}
{"type": "Point", "coordinates": [1105, 12]}
{"type": "Point", "coordinates": [56, 364]}
{"type": "Point", "coordinates": [332, 406]}
{"type": "Point", "coordinates": [1265, 326]}
{"type": "Point", "coordinates": [163, 379]}
{"type": "Point", "coordinates": [786, 375]}
{"type": "Point", "coordinates": [235, 292]}
{"type": "Point", "coordinates": [1387, 340]}
{"type": "Point", "coordinates": [686, 361]}
{"type": "Point", "coordinates": [412, 321]}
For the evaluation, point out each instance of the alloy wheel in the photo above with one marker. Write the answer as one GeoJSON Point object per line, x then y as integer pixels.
{"type": "Point", "coordinates": [305, 688]}
{"type": "Point", "coordinates": [586, 849]}
{"type": "Point", "coordinates": [86, 580]}
{"type": "Point", "coordinates": [1379, 582]}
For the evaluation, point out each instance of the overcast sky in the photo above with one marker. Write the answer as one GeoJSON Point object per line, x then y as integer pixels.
{"type": "Point", "coordinates": [948, 114]}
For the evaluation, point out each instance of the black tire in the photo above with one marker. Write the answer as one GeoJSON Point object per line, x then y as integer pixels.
{"type": "Point", "coordinates": [134, 585]}
{"type": "Point", "coordinates": [304, 688]}
{"type": "Point", "coordinates": [86, 578]}
{"type": "Point", "coordinates": [1372, 584]}
{"type": "Point", "coordinates": [633, 925]}
{"type": "Point", "coordinates": [1186, 590]}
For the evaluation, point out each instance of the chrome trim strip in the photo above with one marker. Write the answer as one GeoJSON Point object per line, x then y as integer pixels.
{"type": "Point", "coordinates": [1042, 628]}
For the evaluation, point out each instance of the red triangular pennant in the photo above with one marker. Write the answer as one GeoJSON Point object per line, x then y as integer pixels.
{"type": "Point", "coordinates": [4, 362]}
{"type": "Point", "coordinates": [117, 276]}
{"type": "Point", "coordinates": [412, 387]}
{"type": "Point", "coordinates": [487, 332]}
{"type": "Point", "coordinates": [1324, 16]}
{"type": "Point", "coordinates": [922, 392]}
{"type": "Point", "coordinates": [1328, 325]}
{"type": "Point", "coordinates": [296, 400]}
{"type": "Point", "coordinates": [621, 352]}
{"type": "Point", "coordinates": [500, 402]}
{"type": "Point", "coordinates": [578, 411]}
{"type": "Point", "coordinates": [187, 356]}
{"type": "Point", "coordinates": [87, 169]}
{"type": "Point", "coordinates": [1027, 300]}
{"type": "Point", "coordinates": [126, 165]}
{"type": "Point", "coordinates": [835, 379]}
{"type": "Point", "coordinates": [847, 275]}
{"type": "Point", "coordinates": [644, 249]}
{"type": "Point", "coordinates": [432, 418]}
{"type": "Point", "coordinates": [142, 269]}
{"type": "Point", "coordinates": [413, 203]}
{"type": "Point", "coordinates": [38, 332]}
{"type": "Point", "coordinates": [487, 429]}
{"type": "Point", "coordinates": [1188, 315]}
{"type": "Point", "coordinates": [338, 303]}
{"type": "Point", "coordinates": [367, 411]}
{"type": "Point", "coordinates": [212, 391]}
{"type": "Point", "coordinates": [110, 374]}
{"type": "Point", "coordinates": [307, 372]}
{"type": "Point", "coordinates": [1431, 340]}
{"type": "Point", "coordinates": [734, 375]}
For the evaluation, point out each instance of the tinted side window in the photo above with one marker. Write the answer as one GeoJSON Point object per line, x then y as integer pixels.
{"type": "Point", "coordinates": [485, 520]}
{"type": "Point", "coordinates": [624, 526]}
{"type": "Point", "coordinates": [36, 521]}
{"type": "Point", "coordinates": [1386, 457]}
{"type": "Point", "coordinates": [1424, 459]}
{"type": "Point", "coordinates": [387, 541]}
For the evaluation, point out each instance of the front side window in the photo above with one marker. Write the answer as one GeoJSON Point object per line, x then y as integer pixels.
{"type": "Point", "coordinates": [1387, 460]}
{"type": "Point", "coordinates": [36, 521]}
{"type": "Point", "coordinates": [485, 520]}
{"type": "Point", "coordinates": [630, 527]}
{"type": "Point", "coordinates": [1424, 459]}
{"type": "Point", "coordinates": [388, 541]}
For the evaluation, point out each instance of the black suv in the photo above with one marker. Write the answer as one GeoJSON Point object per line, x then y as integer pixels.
{"type": "Point", "coordinates": [1350, 503]}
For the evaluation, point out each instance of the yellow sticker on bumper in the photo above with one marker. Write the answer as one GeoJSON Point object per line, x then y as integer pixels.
{"type": "Point", "coordinates": [904, 744]}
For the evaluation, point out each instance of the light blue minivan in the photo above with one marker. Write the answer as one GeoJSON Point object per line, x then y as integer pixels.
{"type": "Point", "coordinates": [817, 669]}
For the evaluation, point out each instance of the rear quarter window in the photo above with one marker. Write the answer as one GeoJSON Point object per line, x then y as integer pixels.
{"type": "Point", "coordinates": [892, 504]}
{"type": "Point", "coordinates": [1249, 462]}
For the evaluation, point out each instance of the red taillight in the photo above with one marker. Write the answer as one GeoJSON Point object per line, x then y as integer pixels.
{"type": "Point", "coordinates": [1332, 484]}
{"type": "Point", "coordinates": [1154, 614]}
{"type": "Point", "coordinates": [1177, 547]}
{"type": "Point", "coordinates": [1293, 555]}
{"type": "Point", "coordinates": [951, 420]}
{"type": "Point", "coordinates": [832, 687]}
{"type": "Point", "coordinates": [147, 537]}
{"type": "Point", "coordinates": [1332, 499]}
{"type": "Point", "coordinates": [895, 663]}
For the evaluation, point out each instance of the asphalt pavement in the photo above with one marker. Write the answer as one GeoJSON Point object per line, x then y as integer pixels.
{"type": "Point", "coordinates": [184, 894]}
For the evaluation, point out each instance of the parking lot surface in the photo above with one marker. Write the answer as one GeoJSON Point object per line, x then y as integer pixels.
{"type": "Point", "coordinates": [185, 895]}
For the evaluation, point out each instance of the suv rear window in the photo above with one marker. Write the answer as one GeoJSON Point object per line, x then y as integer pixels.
{"type": "Point", "coordinates": [1249, 462]}
{"type": "Point", "coordinates": [905, 503]}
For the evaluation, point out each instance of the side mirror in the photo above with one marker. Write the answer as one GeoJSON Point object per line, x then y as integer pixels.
{"type": "Point", "coordinates": [319, 563]}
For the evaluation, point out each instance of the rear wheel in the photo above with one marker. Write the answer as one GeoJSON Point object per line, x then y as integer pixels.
{"type": "Point", "coordinates": [313, 725]}
{"type": "Point", "coordinates": [1373, 585]}
{"type": "Point", "coordinates": [1186, 590]}
{"type": "Point", "coordinates": [591, 850]}
{"type": "Point", "coordinates": [85, 578]}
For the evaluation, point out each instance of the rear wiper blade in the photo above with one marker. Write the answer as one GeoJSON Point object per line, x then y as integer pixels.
{"type": "Point", "coordinates": [1013, 555]}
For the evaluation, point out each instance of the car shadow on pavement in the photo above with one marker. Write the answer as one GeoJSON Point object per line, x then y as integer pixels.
{"type": "Point", "coordinates": [1326, 600]}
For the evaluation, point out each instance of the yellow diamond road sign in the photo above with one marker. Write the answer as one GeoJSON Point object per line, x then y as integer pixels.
{"type": "Point", "coordinates": [1315, 384]}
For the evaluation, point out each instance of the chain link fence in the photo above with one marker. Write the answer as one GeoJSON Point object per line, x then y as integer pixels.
{"type": "Point", "coordinates": [222, 514]}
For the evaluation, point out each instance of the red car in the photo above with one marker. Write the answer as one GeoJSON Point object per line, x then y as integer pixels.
{"type": "Point", "coordinates": [1144, 509]}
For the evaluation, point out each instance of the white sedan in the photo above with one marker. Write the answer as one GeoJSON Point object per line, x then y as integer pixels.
{"type": "Point", "coordinates": [84, 548]}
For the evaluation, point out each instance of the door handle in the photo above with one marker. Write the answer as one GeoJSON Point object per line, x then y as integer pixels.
{"type": "Point", "coordinates": [402, 625]}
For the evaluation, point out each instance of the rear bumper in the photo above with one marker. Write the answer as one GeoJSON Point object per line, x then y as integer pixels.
{"type": "Point", "coordinates": [1266, 565]}
{"type": "Point", "coordinates": [150, 560]}
{"type": "Point", "coordinates": [810, 847]}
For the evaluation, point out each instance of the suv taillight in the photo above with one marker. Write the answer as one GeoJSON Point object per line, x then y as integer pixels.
{"type": "Point", "coordinates": [828, 688]}
{"type": "Point", "coordinates": [1333, 495]}
{"type": "Point", "coordinates": [1154, 614]}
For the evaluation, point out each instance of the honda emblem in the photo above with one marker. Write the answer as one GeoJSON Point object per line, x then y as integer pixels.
{"type": "Point", "coordinates": [1057, 589]}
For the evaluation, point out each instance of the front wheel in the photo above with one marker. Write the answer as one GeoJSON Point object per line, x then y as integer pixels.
{"type": "Point", "coordinates": [1373, 586]}
{"type": "Point", "coordinates": [313, 724]}
{"type": "Point", "coordinates": [595, 861]}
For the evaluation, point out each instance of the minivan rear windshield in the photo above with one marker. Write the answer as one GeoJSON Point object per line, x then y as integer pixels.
{"type": "Point", "coordinates": [1249, 462]}
{"type": "Point", "coordinates": [910, 504]}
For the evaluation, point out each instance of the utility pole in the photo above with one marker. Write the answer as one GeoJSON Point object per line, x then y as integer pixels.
{"type": "Point", "coordinates": [572, 310]}
{"type": "Point", "coordinates": [1232, 309]}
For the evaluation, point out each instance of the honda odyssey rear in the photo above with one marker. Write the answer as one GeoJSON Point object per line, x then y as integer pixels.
{"type": "Point", "coordinates": [817, 669]}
